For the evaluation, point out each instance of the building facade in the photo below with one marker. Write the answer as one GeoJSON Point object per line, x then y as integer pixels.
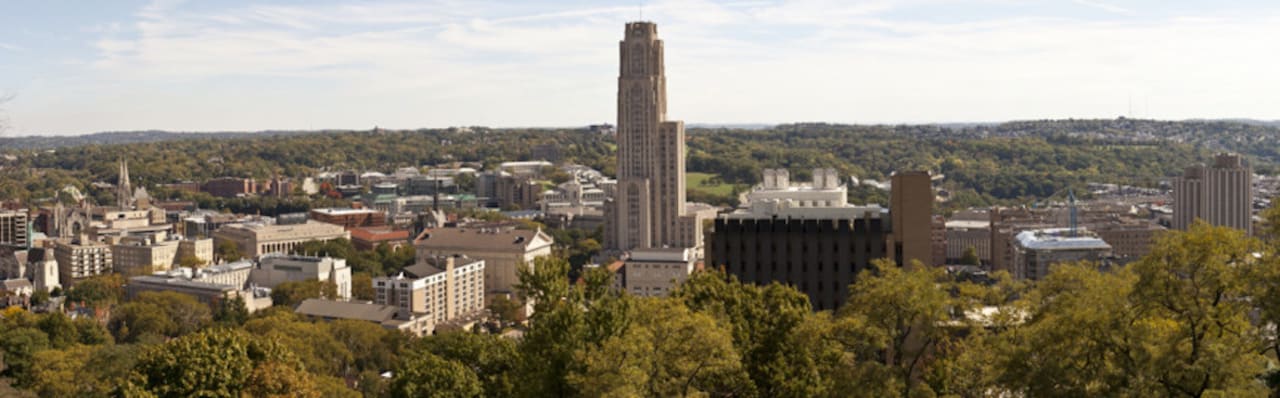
{"type": "Point", "coordinates": [79, 260]}
{"type": "Point", "coordinates": [656, 272]}
{"type": "Point", "coordinates": [503, 249]}
{"type": "Point", "coordinates": [274, 269]}
{"type": "Point", "coordinates": [1221, 194]}
{"type": "Point", "coordinates": [256, 239]}
{"type": "Point", "coordinates": [911, 208]}
{"type": "Point", "coordinates": [443, 289]}
{"type": "Point", "coordinates": [645, 211]}
{"type": "Point", "coordinates": [1036, 251]}
{"type": "Point", "coordinates": [14, 228]}
{"type": "Point", "coordinates": [350, 218]}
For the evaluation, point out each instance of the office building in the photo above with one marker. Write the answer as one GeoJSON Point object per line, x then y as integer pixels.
{"type": "Point", "coordinates": [230, 187]}
{"type": "Point", "coordinates": [648, 209]}
{"type": "Point", "coordinates": [138, 255]}
{"type": "Point", "coordinates": [965, 234]}
{"type": "Point", "coordinates": [255, 239]}
{"type": "Point", "coordinates": [503, 249]}
{"type": "Point", "coordinates": [803, 235]}
{"type": "Point", "coordinates": [1221, 194]}
{"type": "Point", "coordinates": [199, 249]}
{"type": "Point", "coordinates": [911, 209]}
{"type": "Point", "coordinates": [350, 218]}
{"type": "Point", "coordinates": [274, 269]}
{"type": "Point", "coordinates": [442, 289]}
{"type": "Point", "coordinates": [14, 228]}
{"type": "Point", "coordinates": [81, 259]}
{"type": "Point", "coordinates": [1036, 251]}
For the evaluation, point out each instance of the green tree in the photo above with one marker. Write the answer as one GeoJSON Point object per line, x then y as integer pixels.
{"type": "Point", "coordinates": [362, 286]}
{"type": "Point", "coordinates": [667, 351]}
{"type": "Point", "coordinates": [19, 346]}
{"type": "Point", "coordinates": [159, 314]}
{"type": "Point", "coordinates": [231, 312]}
{"type": "Point", "coordinates": [506, 310]}
{"type": "Point", "coordinates": [228, 251]}
{"type": "Point", "coordinates": [970, 257]}
{"type": "Point", "coordinates": [422, 374]}
{"type": "Point", "coordinates": [217, 363]}
{"type": "Point", "coordinates": [492, 359]}
{"type": "Point", "coordinates": [290, 294]}
{"type": "Point", "coordinates": [98, 291]}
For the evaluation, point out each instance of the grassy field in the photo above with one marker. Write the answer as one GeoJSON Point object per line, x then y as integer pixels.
{"type": "Point", "coordinates": [696, 182]}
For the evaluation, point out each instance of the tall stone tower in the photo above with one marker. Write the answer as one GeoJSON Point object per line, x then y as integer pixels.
{"type": "Point", "coordinates": [648, 205]}
{"type": "Point", "coordinates": [124, 193]}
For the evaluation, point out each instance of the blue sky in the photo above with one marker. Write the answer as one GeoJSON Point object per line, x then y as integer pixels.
{"type": "Point", "coordinates": [74, 67]}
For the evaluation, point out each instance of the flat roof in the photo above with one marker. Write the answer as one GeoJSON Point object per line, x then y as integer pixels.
{"type": "Point", "coordinates": [1056, 239]}
{"type": "Point", "coordinates": [338, 211]}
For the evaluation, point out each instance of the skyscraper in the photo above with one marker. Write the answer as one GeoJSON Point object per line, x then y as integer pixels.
{"type": "Point", "coordinates": [1220, 195]}
{"type": "Point", "coordinates": [649, 204]}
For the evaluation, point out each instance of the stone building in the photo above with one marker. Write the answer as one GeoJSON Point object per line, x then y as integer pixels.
{"type": "Point", "coordinates": [503, 250]}
{"type": "Point", "coordinates": [255, 239]}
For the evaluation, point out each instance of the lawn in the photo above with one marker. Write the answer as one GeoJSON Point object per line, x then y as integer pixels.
{"type": "Point", "coordinates": [698, 182]}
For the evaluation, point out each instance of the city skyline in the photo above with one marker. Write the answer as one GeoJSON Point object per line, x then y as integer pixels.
{"type": "Point", "coordinates": [256, 66]}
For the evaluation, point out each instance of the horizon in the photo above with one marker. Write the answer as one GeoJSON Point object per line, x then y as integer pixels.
{"type": "Point", "coordinates": [338, 65]}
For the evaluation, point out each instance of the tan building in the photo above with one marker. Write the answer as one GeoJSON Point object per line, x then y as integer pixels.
{"type": "Point", "coordinates": [212, 294]}
{"type": "Point", "coordinates": [200, 249]}
{"type": "Point", "coordinates": [256, 239]}
{"type": "Point", "coordinates": [1035, 252]}
{"type": "Point", "coordinates": [442, 290]}
{"type": "Point", "coordinates": [503, 250]}
{"type": "Point", "coordinates": [1220, 195]}
{"type": "Point", "coordinates": [350, 218]}
{"type": "Point", "coordinates": [138, 255]}
{"type": "Point", "coordinates": [911, 210]}
{"type": "Point", "coordinates": [647, 208]}
{"type": "Point", "coordinates": [13, 228]}
{"type": "Point", "coordinates": [656, 272]}
{"type": "Point", "coordinates": [387, 316]}
{"type": "Point", "coordinates": [81, 260]}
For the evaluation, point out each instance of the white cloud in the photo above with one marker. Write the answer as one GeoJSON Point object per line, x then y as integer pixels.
{"type": "Point", "coordinates": [453, 63]}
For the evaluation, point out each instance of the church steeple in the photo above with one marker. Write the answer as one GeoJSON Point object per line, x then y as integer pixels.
{"type": "Point", "coordinates": [124, 192]}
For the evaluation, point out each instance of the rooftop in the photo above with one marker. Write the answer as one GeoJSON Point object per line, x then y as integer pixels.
{"type": "Point", "coordinates": [340, 211]}
{"type": "Point", "coordinates": [1059, 239]}
{"type": "Point", "coordinates": [346, 310]}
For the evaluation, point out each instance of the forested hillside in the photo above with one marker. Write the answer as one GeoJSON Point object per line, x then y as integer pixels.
{"type": "Point", "coordinates": [1009, 162]}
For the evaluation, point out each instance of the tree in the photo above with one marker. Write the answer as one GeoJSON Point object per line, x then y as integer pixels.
{"type": "Point", "coordinates": [312, 343]}
{"type": "Point", "coordinates": [228, 251]}
{"type": "Point", "coordinates": [892, 322]}
{"type": "Point", "coordinates": [667, 351]}
{"type": "Point", "coordinates": [98, 291]}
{"type": "Point", "coordinates": [290, 294]}
{"type": "Point", "coordinates": [159, 314]}
{"type": "Point", "coordinates": [506, 310]}
{"type": "Point", "coordinates": [231, 312]}
{"type": "Point", "coordinates": [970, 257]}
{"type": "Point", "coordinates": [362, 286]}
{"type": "Point", "coordinates": [192, 262]}
{"type": "Point", "coordinates": [19, 346]}
{"type": "Point", "coordinates": [222, 363]}
{"type": "Point", "coordinates": [492, 359]}
{"type": "Point", "coordinates": [422, 374]}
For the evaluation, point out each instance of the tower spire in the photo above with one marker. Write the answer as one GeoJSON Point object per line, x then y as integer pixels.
{"type": "Point", "coordinates": [124, 192]}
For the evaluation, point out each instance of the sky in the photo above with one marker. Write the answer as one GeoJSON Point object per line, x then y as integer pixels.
{"type": "Point", "coordinates": [77, 67]}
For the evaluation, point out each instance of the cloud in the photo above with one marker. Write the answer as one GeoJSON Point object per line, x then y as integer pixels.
{"type": "Point", "coordinates": [1111, 8]}
{"type": "Point", "coordinates": [450, 62]}
{"type": "Point", "coordinates": [11, 47]}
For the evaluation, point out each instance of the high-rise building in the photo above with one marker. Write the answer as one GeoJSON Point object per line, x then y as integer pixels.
{"type": "Point", "coordinates": [441, 289]}
{"type": "Point", "coordinates": [648, 207]}
{"type": "Point", "coordinates": [1220, 195]}
{"type": "Point", "coordinates": [14, 228]}
{"type": "Point", "coordinates": [911, 209]}
{"type": "Point", "coordinates": [79, 260]}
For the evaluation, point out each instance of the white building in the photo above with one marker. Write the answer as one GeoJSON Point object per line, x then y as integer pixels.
{"type": "Point", "coordinates": [442, 290]}
{"type": "Point", "coordinates": [656, 272]}
{"type": "Point", "coordinates": [274, 269]}
{"type": "Point", "coordinates": [1035, 251]}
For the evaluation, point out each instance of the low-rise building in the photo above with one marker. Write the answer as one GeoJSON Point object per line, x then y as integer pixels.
{"type": "Point", "coordinates": [1036, 251]}
{"type": "Point", "coordinates": [212, 294]}
{"type": "Point", "coordinates": [503, 249]}
{"type": "Point", "coordinates": [137, 255]}
{"type": "Point", "coordinates": [387, 316]}
{"type": "Point", "coordinates": [656, 272]}
{"type": "Point", "coordinates": [350, 218]}
{"type": "Point", "coordinates": [274, 269]}
{"type": "Point", "coordinates": [256, 239]}
{"type": "Point", "coordinates": [370, 238]}
{"type": "Point", "coordinates": [965, 234]}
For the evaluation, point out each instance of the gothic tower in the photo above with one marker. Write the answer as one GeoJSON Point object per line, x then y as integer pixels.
{"type": "Point", "coordinates": [124, 193]}
{"type": "Point", "coordinates": [649, 202]}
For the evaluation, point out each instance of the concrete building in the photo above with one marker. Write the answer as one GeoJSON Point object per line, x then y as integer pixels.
{"type": "Point", "coordinates": [274, 269]}
{"type": "Point", "coordinates": [656, 272]}
{"type": "Point", "coordinates": [1035, 251]}
{"type": "Point", "coordinates": [911, 207]}
{"type": "Point", "coordinates": [1129, 241]}
{"type": "Point", "coordinates": [1221, 194]}
{"type": "Point", "coordinates": [137, 255]}
{"type": "Point", "coordinates": [199, 249]}
{"type": "Point", "coordinates": [231, 274]}
{"type": "Point", "coordinates": [803, 235]}
{"type": "Point", "coordinates": [212, 294]}
{"type": "Point", "coordinates": [648, 209]}
{"type": "Point", "coordinates": [370, 238]}
{"type": "Point", "coordinates": [444, 289]}
{"type": "Point", "coordinates": [503, 249]}
{"type": "Point", "coordinates": [79, 260]}
{"type": "Point", "coordinates": [256, 239]}
{"type": "Point", "coordinates": [14, 228]}
{"type": "Point", "coordinates": [964, 234]}
{"type": "Point", "coordinates": [518, 191]}
{"type": "Point", "coordinates": [350, 218]}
